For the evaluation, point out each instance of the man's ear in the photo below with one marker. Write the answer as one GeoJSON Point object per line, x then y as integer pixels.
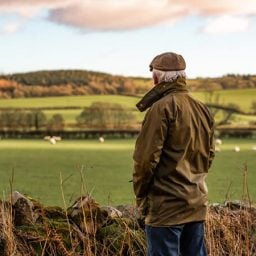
{"type": "Point", "coordinates": [155, 78]}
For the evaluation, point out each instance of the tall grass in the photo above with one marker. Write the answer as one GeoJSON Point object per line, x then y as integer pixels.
{"type": "Point", "coordinates": [231, 228]}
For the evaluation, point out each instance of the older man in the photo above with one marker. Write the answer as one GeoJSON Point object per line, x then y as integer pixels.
{"type": "Point", "coordinates": [172, 156]}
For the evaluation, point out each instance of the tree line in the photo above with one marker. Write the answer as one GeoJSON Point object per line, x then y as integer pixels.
{"type": "Point", "coordinates": [66, 83]}
{"type": "Point", "coordinates": [230, 81]}
{"type": "Point", "coordinates": [23, 121]}
{"type": "Point", "coordinates": [96, 119]}
{"type": "Point", "coordinates": [82, 82]}
{"type": "Point", "coordinates": [97, 116]}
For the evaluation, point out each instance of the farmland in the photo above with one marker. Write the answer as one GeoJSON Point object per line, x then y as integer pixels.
{"type": "Point", "coordinates": [107, 168]}
{"type": "Point", "coordinates": [242, 98]}
{"type": "Point", "coordinates": [38, 167]}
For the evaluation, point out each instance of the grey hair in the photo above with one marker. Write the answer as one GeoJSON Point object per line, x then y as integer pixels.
{"type": "Point", "coordinates": [168, 76]}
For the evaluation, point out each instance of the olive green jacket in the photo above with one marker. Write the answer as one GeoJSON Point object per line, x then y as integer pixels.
{"type": "Point", "coordinates": [172, 156]}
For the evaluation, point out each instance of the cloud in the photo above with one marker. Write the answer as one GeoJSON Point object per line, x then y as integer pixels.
{"type": "Point", "coordinates": [219, 7]}
{"type": "Point", "coordinates": [132, 14]}
{"type": "Point", "coordinates": [10, 28]}
{"type": "Point", "coordinates": [226, 24]}
{"type": "Point", "coordinates": [30, 8]}
{"type": "Point", "coordinates": [117, 15]}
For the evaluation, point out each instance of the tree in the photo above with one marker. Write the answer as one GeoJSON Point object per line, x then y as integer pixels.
{"type": "Point", "coordinates": [38, 119]}
{"type": "Point", "coordinates": [14, 120]}
{"type": "Point", "coordinates": [56, 123]}
{"type": "Point", "coordinates": [105, 115]}
{"type": "Point", "coordinates": [10, 119]}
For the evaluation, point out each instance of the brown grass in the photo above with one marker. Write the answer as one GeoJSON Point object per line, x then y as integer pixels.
{"type": "Point", "coordinates": [231, 231]}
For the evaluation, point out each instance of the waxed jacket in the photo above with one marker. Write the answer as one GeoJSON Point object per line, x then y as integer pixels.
{"type": "Point", "coordinates": [172, 156]}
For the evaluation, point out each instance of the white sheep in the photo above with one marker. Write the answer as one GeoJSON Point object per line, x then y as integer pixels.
{"type": "Point", "coordinates": [52, 139]}
{"type": "Point", "coordinates": [101, 139]}
{"type": "Point", "coordinates": [236, 148]}
{"type": "Point", "coordinates": [218, 141]}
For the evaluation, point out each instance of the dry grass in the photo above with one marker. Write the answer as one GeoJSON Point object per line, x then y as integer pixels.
{"type": "Point", "coordinates": [230, 230]}
{"type": "Point", "coordinates": [55, 235]}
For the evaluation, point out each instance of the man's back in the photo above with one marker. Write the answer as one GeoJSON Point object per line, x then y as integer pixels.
{"type": "Point", "coordinates": [178, 186]}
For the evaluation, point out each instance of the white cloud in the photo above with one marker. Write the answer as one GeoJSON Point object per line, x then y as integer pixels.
{"type": "Point", "coordinates": [10, 28]}
{"type": "Point", "coordinates": [132, 14]}
{"type": "Point", "coordinates": [227, 24]}
{"type": "Point", "coordinates": [30, 8]}
{"type": "Point", "coordinates": [218, 7]}
{"type": "Point", "coordinates": [116, 15]}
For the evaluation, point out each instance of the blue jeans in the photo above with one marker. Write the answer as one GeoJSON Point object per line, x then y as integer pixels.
{"type": "Point", "coordinates": [185, 240]}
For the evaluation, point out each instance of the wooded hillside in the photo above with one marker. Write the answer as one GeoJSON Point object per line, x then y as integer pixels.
{"type": "Point", "coordinates": [81, 82]}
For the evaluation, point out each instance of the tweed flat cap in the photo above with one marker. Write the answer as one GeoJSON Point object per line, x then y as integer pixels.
{"type": "Point", "coordinates": [168, 61]}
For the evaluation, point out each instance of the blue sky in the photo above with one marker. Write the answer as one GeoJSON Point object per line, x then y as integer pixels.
{"type": "Point", "coordinates": [215, 37]}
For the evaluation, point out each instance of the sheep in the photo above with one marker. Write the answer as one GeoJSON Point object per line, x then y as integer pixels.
{"type": "Point", "coordinates": [101, 139]}
{"type": "Point", "coordinates": [52, 139]}
{"type": "Point", "coordinates": [218, 141]}
{"type": "Point", "coordinates": [236, 148]}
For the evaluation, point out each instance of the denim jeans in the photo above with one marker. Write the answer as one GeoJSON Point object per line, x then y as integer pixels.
{"type": "Point", "coordinates": [185, 240]}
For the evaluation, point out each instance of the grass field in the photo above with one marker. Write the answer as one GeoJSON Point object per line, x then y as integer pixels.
{"type": "Point", "coordinates": [107, 168]}
{"type": "Point", "coordinates": [243, 98]}
{"type": "Point", "coordinates": [68, 101]}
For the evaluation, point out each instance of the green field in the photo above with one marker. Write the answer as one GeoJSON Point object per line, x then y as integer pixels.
{"type": "Point", "coordinates": [243, 98]}
{"type": "Point", "coordinates": [68, 101]}
{"type": "Point", "coordinates": [70, 115]}
{"type": "Point", "coordinates": [107, 167]}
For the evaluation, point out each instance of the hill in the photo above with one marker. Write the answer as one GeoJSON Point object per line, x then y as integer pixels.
{"type": "Point", "coordinates": [82, 82]}
{"type": "Point", "coordinates": [68, 82]}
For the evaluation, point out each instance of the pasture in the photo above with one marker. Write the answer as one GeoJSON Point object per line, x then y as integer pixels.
{"type": "Point", "coordinates": [107, 168]}
{"type": "Point", "coordinates": [242, 97]}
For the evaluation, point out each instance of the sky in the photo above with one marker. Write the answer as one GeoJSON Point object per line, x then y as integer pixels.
{"type": "Point", "coordinates": [121, 37]}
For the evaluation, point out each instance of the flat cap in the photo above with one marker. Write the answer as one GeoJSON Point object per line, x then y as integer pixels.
{"type": "Point", "coordinates": [168, 61]}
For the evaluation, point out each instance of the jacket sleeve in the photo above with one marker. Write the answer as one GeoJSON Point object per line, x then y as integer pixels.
{"type": "Point", "coordinates": [148, 149]}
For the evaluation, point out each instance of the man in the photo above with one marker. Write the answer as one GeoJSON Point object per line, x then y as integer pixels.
{"type": "Point", "coordinates": [173, 153]}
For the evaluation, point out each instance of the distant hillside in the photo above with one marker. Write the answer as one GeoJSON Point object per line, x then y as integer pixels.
{"type": "Point", "coordinates": [81, 82]}
{"type": "Point", "coordinates": [230, 81]}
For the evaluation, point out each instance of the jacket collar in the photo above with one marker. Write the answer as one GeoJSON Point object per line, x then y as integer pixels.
{"type": "Point", "coordinates": [160, 90]}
